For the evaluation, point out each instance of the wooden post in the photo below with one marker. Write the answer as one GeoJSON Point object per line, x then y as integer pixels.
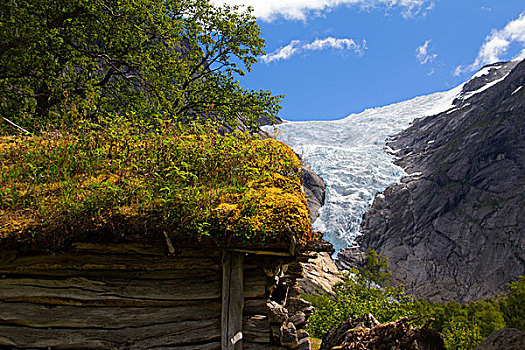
{"type": "Point", "coordinates": [232, 301]}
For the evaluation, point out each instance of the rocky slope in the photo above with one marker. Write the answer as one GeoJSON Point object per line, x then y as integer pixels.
{"type": "Point", "coordinates": [455, 228]}
{"type": "Point", "coordinates": [507, 338]}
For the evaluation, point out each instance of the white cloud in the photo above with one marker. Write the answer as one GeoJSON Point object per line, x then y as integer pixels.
{"type": "Point", "coordinates": [295, 47]}
{"type": "Point", "coordinates": [339, 44]}
{"type": "Point", "coordinates": [283, 53]}
{"type": "Point", "coordinates": [268, 10]}
{"type": "Point", "coordinates": [497, 44]}
{"type": "Point", "coordinates": [423, 53]}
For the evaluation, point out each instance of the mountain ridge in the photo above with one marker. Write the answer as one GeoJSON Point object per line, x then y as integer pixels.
{"type": "Point", "coordinates": [454, 229]}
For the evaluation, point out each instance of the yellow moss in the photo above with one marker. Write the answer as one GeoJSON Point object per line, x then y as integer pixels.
{"type": "Point", "coordinates": [6, 142]}
{"type": "Point", "coordinates": [255, 194]}
{"type": "Point", "coordinates": [278, 204]}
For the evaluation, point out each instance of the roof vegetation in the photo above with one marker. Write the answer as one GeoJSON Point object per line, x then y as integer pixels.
{"type": "Point", "coordinates": [127, 181]}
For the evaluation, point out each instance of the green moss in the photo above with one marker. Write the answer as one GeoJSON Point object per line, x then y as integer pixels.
{"type": "Point", "coordinates": [94, 184]}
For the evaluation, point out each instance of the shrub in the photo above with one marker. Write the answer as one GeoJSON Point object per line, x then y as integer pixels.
{"type": "Point", "coordinates": [358, 294]}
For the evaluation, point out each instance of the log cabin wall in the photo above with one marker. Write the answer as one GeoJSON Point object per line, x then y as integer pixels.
{"type": "Point", "coordinates": [135, 297]}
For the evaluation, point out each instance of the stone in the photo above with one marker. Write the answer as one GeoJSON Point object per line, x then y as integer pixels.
{"type": "Point", "coordinates": [507, 338]}
{"type": "Point", "coordinates": [276, 312]}
{"type": "Point", "coordinates": [314, 189]}
{"type": "Point", "coordinates": [289, 335]}
{"type": "Point", "coordinates": [320, 275]}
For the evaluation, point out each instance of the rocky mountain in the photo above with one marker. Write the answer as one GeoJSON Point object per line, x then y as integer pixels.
{"type": "Point", "coordinates": [455, 227]}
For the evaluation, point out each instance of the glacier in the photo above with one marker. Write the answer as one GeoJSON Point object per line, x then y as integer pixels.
{"type": "Point", "coordinates": [352, 158]}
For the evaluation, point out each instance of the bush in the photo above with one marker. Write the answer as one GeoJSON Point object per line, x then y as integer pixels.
{"type": "Point", "coordinates": [513, 306]}
{"type": "Point", "coordinates": [368, 290]}
{"type": "Point", "coordinates": [362, 291]}
{"type": "Point", "coordinates": [461, 335]}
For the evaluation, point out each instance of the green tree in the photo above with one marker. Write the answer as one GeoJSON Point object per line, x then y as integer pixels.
{"type": "Point", "coordinates": [462, 335]}
{"type": "Point", "coordinates": [363, 291]}
{"type": "Point", "coordinates": [513, 306]}
{"type": "Point", "coordinates": [375, 269]}
{"type": "Point", "coordinates": [61, 60]}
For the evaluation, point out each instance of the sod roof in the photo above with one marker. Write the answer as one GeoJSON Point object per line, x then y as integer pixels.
{"type": "Point", "coordinates": [124, 185]}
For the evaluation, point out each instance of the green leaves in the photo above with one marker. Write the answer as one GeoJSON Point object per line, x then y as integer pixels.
{"type": "Point", "coordinates": [368, 290]}
{"type": "Point", "coordinates": [362, 291]}
{"type": "Point", "coordinates": [513, 306]}
{"type": "Point", "coordinates": [62, 60]}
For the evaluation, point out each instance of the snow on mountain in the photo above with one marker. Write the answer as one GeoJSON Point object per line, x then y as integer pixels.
{"type": "Point", "coordinates": [351, 154]}
{"type": "Point", "coordinates": [351, 157]}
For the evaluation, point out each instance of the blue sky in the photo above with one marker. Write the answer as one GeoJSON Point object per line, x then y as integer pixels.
{"type": "Point", "coordinates": [336, 57]}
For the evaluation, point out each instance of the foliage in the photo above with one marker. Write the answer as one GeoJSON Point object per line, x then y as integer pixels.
{"type": "Point", "coordinates": [462, 335]}
{"type": "Point", "coordinates": [514, 305]}
{"type": "Point", "coordinates": [463, 326]}
{"type": "Point", "coordinates": [62, 60]}
{"type": "Point", "coordinates": [375, 270]}
{"type": "Point", "coordinates": [363, 291]}
{"type": "Point", "coordinates": [368, 290]}
{"type": "Point", "coordinates": [131, 179]}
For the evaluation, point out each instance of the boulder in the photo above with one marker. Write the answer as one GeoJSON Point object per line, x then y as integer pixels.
{"type": "Point", "coordinates": [507, 338]}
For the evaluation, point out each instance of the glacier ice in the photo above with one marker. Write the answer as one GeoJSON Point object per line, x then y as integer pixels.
{"type": "Point", "coordinates": [351, 156]}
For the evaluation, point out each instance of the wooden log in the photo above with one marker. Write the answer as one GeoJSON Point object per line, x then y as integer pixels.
{"type": "Point", "coordinates": [144, 250]}
{"type": "Point", "coordinates": [160, 275]}
{"type": "Point", "coordinates": [156, 335]}
{"type": "Point", "coordinates": [254, 307]}
{"type": "Point", "coordinates": [254, 346]}
{"type": "Point", "coordinates": [203, 346]}
{"type": "Point", "coordinates": [41, 316]}
{"type": "Point", "coordinates": [263, 252]}
{"type": "Point", "coordinates": [256, 329]}
{"type": "Point", "coordinates": [255, 282]}
{"type": "Point", "coordinates": [105, 262]}
{"type": "Point", "coordinates": [87, 289]}
{"type": "Point", "coordinates": [232, 301]}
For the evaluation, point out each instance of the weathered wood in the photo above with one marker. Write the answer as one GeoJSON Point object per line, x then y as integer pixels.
{"type": "Point", "coordinates": [204, 346]}
{"type": "Point", "coordinates": [254, 307]}
{"type": "Point", "coordinates": [254, 346]}
{"type": "Point", "coordinates": [256, 329]}
{"type": "Point", "coordinates": [105, 262]}
{"type": "Point", "coordinates": [160, 275]}
{"type": "Point", "coordinates": [232, 301]}
{"type": "Point", "coordinates": [255, 282]}
{"type": "Point", "coordinates": [42, 316]}
{"type": "Point", "coordinates": [85, 289]}
{"type": "Point", "coordinates": [158, 335]}
{"type": "Point", "coordinates": [263, 252]}
{"type": "Point", "coordinates": [144, 250]}
{"type": "Point", "coordinates": [119, 248]}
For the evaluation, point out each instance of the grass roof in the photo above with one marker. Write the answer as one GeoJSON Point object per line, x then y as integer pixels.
{"type": "Point", "coordinates": [124, 184]}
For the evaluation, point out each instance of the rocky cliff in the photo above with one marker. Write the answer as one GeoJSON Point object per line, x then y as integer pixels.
{"type": "Point", "coordinates": [455, 228]}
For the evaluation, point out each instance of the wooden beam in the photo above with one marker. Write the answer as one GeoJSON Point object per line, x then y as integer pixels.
{"type": "Point", "coordinates": [263, 252]}
{"type": "Point", "coordinates": [232, 301]}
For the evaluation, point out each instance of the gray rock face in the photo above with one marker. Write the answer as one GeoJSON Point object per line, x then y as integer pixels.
{"type": "Point", "coordinates": [455, 229]}
{"type": "Point", "coordinates": [314, 189]}
{"type": "Point", "coordinates": [507, 339]}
